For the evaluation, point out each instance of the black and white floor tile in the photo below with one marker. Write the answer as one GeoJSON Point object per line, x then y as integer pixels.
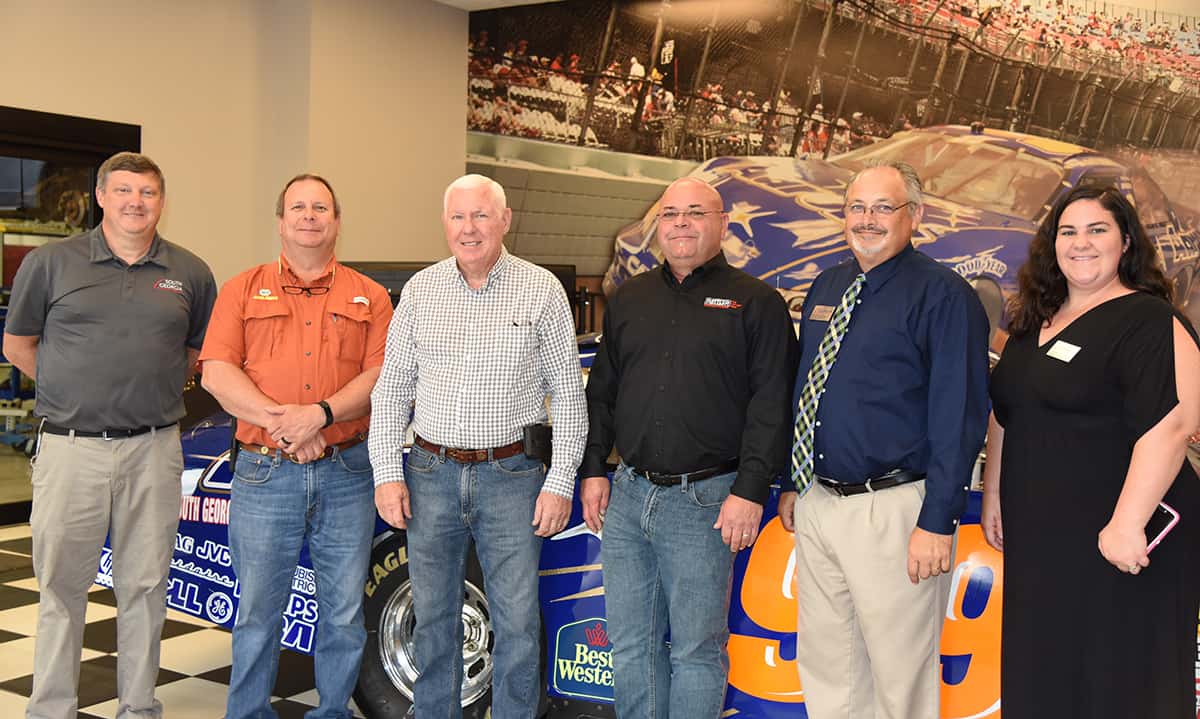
{"type": "Point", "coordinates": [194, 667]}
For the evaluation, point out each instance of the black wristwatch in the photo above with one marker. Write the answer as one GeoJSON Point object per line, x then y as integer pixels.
{"type": "Point", "coordinates": [328, 413]}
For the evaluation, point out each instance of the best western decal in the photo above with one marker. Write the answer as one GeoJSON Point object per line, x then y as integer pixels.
{"type": "Point", "coordinates": [583, 660]}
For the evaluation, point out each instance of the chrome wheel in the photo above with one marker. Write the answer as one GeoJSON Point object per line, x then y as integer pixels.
{"type": "Point", "coordinates": [396, 643]}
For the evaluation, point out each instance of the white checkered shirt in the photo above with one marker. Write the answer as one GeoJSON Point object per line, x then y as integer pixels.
{"type": "Point", "coordinates": [477, 365]}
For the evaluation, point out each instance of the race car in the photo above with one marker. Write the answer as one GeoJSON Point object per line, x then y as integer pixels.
{"type": "Point", "coordinates": [577, 666]}
{"type": "Point", "coordinates": [985, 190]}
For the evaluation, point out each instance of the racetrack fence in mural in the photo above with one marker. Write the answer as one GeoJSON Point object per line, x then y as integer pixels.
{"type": "Point", "coordinates": [693, 79]}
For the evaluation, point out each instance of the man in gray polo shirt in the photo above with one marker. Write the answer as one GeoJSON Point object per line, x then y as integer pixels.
{"type": "Point", "coordinates": [108, 323]}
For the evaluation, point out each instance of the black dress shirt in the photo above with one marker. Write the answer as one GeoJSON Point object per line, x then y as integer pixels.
{"type": "Point", "coordinates": [689, 375]}
{"type": "Point", "coordinates": [909, 387]}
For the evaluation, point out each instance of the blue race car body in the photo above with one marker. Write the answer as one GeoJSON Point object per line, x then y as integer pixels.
{"type": "Point", "coordinates": [985, 193]}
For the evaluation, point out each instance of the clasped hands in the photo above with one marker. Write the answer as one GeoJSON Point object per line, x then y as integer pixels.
{"type": "Point", "coordinates": [296, 428]}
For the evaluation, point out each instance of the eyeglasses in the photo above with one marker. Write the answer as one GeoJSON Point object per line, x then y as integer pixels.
{"type": "Point", "coordinates": [301, 290]}
{"type": "Point", "coordinates": [883, 209]}
{"type": "Point", "coordinates": [691, 215]}
{"type": "Point", "coordinates": [307, 291]}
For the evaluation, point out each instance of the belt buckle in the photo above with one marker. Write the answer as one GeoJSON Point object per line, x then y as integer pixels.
{"type": "Point", "coordinates": [105, 436]}
{"type": "Point", "coordinates": [867, 484]}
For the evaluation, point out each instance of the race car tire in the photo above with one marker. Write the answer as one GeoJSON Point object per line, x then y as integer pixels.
{"type": "Point", "coordinates": [388, 670]}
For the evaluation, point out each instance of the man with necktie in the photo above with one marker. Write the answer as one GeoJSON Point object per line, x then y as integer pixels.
{"type": "Point", "coordinates": [891, 409]}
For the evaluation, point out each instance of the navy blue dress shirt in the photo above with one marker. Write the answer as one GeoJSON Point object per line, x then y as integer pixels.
{"type": "Point", "coordinates": [909, 387]}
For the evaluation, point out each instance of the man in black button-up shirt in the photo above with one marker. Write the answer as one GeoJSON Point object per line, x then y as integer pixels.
{"type": "Point", "coordinates": [693, 380]}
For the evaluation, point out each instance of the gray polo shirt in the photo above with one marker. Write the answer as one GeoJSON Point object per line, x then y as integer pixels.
{"type": "Point", "coordinates": [114, 337]}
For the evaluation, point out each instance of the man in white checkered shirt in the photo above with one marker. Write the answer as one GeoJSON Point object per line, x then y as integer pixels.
{"type": "Point", "coordinates": [477, 343]}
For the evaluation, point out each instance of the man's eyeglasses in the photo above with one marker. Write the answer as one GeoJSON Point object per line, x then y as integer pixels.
{"type": "Point", "coordinates": [691, 215]}
{"type": "Point", "coordinates": [307, 291]}
{"type": "Point", "coordinates": [883, 209]}
{"type": "Point", "coordinates": [301, 290]}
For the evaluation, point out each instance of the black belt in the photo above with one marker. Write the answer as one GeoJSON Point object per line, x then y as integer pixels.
{"type": "Point", "coordinates": [670, 480]}
{"type": "Point", "coordinates": [102, 434]}
{"type": "Point", "coordinates": [885, 481]}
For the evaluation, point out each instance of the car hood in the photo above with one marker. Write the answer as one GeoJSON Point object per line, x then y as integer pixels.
{"type": "Point", "coordinates": [785, 227]}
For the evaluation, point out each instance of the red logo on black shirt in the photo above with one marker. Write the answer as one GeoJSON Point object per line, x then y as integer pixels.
{"type": "Point", "coordinates": [170, 286]}
{"type": "Point", "coordinates": [721, 303]}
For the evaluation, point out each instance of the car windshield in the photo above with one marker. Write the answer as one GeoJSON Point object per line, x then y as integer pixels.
{"type": "Point", "coordinates": [969, 171]}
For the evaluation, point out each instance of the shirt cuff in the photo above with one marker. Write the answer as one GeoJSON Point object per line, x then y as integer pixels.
{"type": "Point", "coordinates": [556, 483]}
{"type": "Point", "coordinates": [937, 519]}
{"type": "Point", "coordinates": [754, 489]}
{"type": "Point", "coordinates": [593, 467]}
{"type": "Point", "coordinates": [384, 475]}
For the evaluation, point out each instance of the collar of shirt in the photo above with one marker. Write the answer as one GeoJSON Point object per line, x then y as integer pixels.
{"type": "Point", "coordinates": [698, 275]}
{"type": "Point", "coordinates": [879, 275]}
{"type": "Point", "coordinates": [288, 276]}
{"type": "Point", "coordinates": [102, 253]}
{"type": "Point", "coordinates": [492, 276]}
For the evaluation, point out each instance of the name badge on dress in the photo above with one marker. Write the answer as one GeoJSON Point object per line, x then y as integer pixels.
{"type": "Point", "coordinates": [1064, 351]}
{"type": "Point", "coordinates": [821, 313]}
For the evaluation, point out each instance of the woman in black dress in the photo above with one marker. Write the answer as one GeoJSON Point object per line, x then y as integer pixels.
{"type": "Point", "coordinates": [1095, 394]}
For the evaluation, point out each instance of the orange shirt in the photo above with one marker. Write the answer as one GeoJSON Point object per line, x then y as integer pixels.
{"type": "Point", "coordinates": [299, 348]}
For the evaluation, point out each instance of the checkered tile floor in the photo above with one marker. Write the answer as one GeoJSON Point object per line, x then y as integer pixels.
{"type": "Point", "coordinates": [195, 663]}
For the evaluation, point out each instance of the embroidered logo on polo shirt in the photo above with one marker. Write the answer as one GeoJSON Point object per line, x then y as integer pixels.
{"type": "Point", "coordinates": [721, 303]}
{"type": "Point", "coordinates": [264, 294]}
{"type": "Point", "coordinates": [169, 285]}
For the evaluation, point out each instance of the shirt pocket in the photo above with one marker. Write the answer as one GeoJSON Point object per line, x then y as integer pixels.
{"type": "Point", "coordinates": [265, 323]}
{"type": "Point", "coordinates": [515, 341]}
{"type": "Point", "coordinates": [349, 331]}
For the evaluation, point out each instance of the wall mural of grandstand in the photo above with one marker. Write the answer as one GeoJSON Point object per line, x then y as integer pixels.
{"type": "Point", "coordinates": [813, 79]}
{"type": "Point", "coordinates": [694, 79]}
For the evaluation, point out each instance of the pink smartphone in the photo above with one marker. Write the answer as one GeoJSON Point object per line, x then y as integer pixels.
{"type": "Point", "coordinates": [1160, 525]}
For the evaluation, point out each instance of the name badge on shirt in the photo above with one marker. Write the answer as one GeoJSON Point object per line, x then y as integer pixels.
{"type": "Point", "coordinates": [821, 313]}
{"type": "Point", "coordinates": [1064, 351]}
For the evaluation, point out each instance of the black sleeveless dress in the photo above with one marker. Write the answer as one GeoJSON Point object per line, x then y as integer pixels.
{"type": "Point", "coordinates": [1080, 638]}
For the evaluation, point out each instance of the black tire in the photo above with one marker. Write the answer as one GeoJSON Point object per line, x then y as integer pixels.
{"type": "Point", "coordinates": [385, 680]}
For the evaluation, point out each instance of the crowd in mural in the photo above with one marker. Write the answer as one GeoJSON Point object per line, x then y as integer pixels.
{"type": "Point", "coordinates": [542, 93]}
{"type": "Point", "coordinates": [1162, 48]}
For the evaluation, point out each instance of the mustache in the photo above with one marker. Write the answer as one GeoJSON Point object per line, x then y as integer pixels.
{"type": "Point", "coordinates": [867, 228]}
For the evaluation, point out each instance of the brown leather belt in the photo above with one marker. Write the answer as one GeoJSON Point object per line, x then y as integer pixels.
{"type": "Point", "coordinates": [470, 456]}
{"type": "Point", "coordinates": [340, 446]}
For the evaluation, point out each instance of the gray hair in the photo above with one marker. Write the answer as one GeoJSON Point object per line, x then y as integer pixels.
{"type": "Point", "coordinates": [129, 162]}
{"type": "Point", "coordinates": [912, 182]}
{"type": "Point", "coordinates": [472, 181]}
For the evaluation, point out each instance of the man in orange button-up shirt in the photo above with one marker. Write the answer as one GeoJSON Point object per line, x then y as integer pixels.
{"type": "Point", "coordinates": [293, 349]}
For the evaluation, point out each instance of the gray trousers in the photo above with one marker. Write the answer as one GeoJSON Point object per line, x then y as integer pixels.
{"type": "Point", "coordinates": [84, 488]}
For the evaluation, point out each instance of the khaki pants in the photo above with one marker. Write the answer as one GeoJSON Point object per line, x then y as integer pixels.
{"type": "Point", "coordinates": [869, 640]}
{"type": "Point", "coordinates": [84, 488]}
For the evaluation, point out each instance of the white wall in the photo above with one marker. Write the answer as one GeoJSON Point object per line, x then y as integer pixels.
{"type": "Point", "coordinates": [235, 97]}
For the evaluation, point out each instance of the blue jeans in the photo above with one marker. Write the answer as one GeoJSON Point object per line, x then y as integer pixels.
{"type": "Point", "coordinates": [666, 570]}
{"type": "Point", "coordinates": [277, 504]}
{"type": "Point", "coordinates": [492, 504]}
